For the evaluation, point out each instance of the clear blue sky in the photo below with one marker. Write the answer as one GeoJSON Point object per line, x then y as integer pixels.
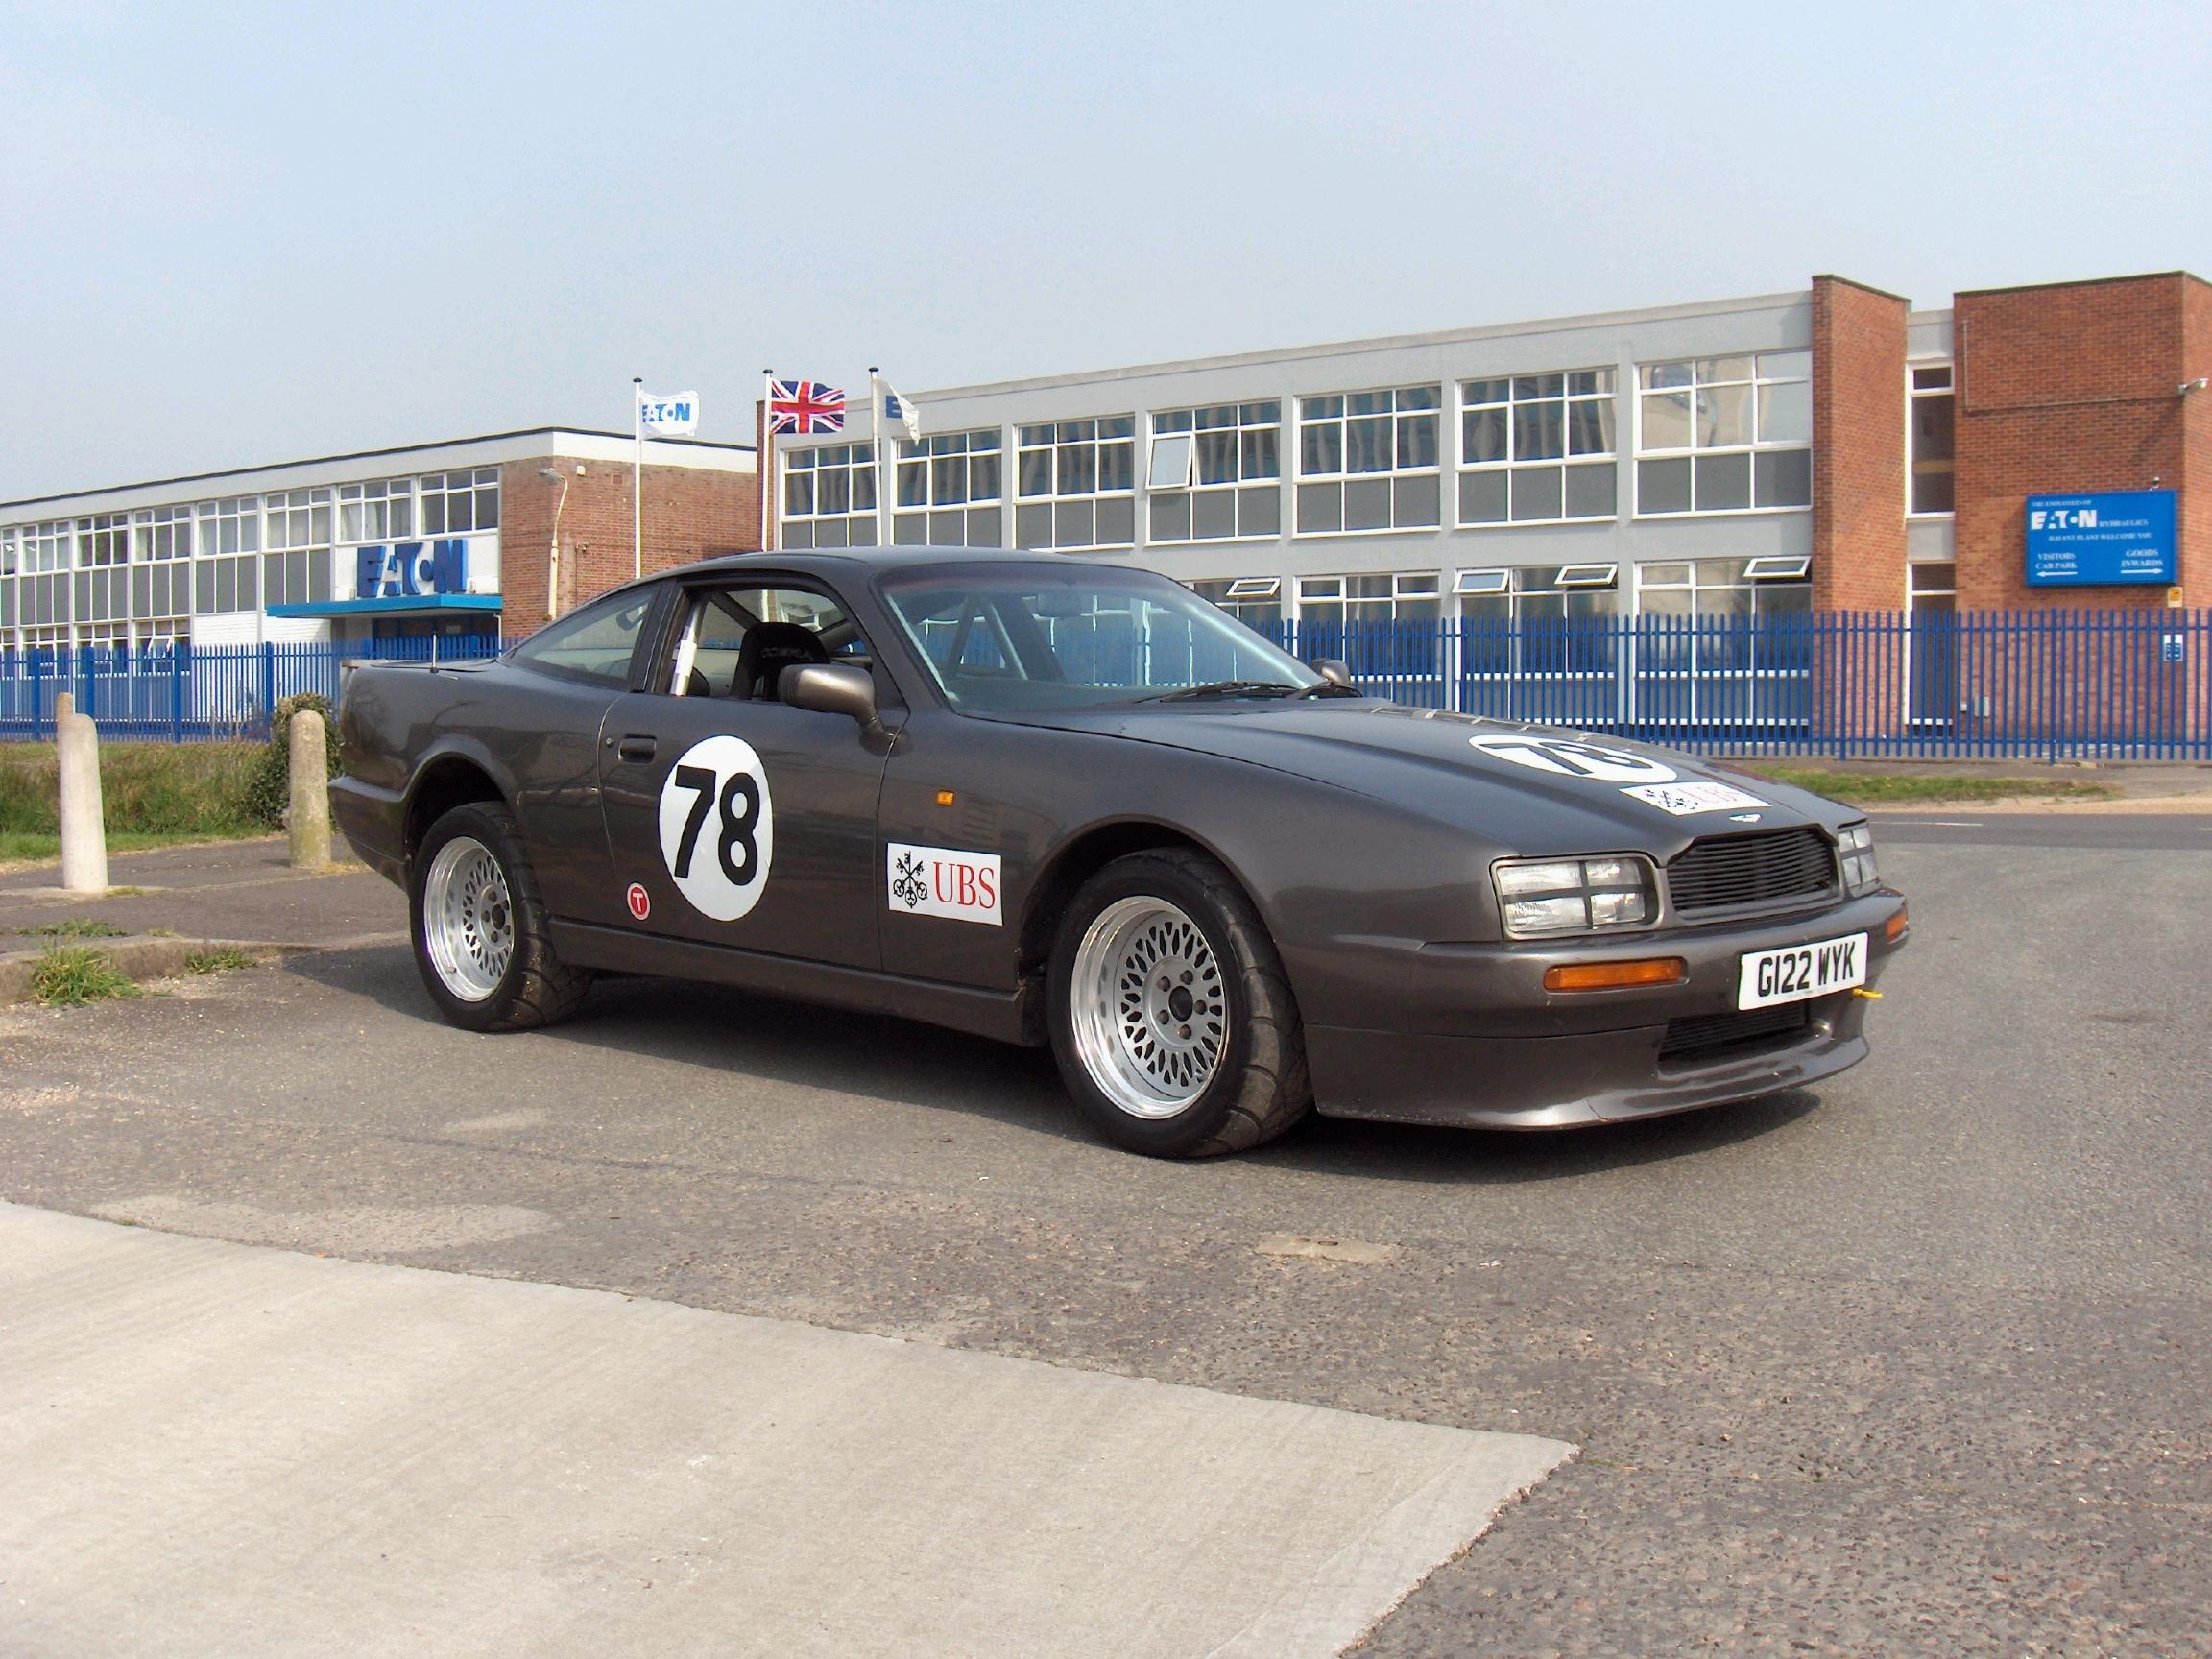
{"type": "Point", "coordinates": [246, 232]}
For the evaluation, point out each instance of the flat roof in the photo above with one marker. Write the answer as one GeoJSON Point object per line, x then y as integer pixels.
{"type": "Point", "coordinates": [1382, 342]}
{"type": "Point", "coordinates": [600, 445]}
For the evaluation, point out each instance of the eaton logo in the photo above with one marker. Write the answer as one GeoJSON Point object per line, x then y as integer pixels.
{"type": "Point", "coordinates": [410, 569]}
{"type": "Point", "coordinates": [2062, 519]}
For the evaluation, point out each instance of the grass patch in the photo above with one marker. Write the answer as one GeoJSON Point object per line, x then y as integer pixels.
{"type": "Point", "coordinates": [75, 927]}
{"type": "Point", "coordinates": [153, 792]}
{"type": "Point", "coordinates": [1915, 789]}
{"type": "Point", "coordinates": [69, 976]}
{"type": "Point", "coordinates": [222, 959]}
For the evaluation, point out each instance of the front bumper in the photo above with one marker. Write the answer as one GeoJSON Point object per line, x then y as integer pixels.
{"type": "Point", "coordinates": [1482, 1045]}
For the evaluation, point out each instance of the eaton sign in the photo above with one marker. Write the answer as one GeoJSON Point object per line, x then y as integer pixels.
{"type": "Point", "coordinates": [408, 570]}
{"type": "Point", "coordinates": [2118, 537]}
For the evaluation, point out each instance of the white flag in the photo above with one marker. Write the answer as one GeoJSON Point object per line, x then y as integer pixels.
{"type": "Point", "coordinates": [676, 416]}
{"type": "Point", "coordinates": [893, 410]}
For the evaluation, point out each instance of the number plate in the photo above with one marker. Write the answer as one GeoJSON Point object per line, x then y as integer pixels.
{"type": "Point", "coordinates": [1797, 972]}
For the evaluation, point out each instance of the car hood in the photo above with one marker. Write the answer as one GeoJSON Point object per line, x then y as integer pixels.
{"type": "Point", "coordinates": [1529, 788]}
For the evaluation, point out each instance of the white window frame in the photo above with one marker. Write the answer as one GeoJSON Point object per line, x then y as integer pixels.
{"type": "Point", "coordinates": [374, 507]}
{"type": "Point", "coordinates": [1067, 439]}
{"type": "Point", "coordinates": [1603, 393]}
{"type": "Point", "coordinates": [162, 535]}
{"type": "Point", "coordinates": [1914, 393]}
{"type": "Point", "coordinates": [855, 460]}
{"type": "Point", "coordinates": [1699, 381]}
{"type": "Point", "coordinates": [1778, 568]}
{"type": "Point", "coordinates": [1184, 430]}
{"type": "Point", "coordinates": [933, 460]}
{"type": "Point", "coordinates": [479, 483]}
{"type": "Point", "coordinates": [1341, 417]}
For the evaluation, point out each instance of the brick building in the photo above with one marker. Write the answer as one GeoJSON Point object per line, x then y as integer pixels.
{"type": "Point", "coordinates": [447, 540]}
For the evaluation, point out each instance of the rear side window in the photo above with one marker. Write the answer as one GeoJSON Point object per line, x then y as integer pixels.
{"type": "Point", "coordinates": [596, 643]}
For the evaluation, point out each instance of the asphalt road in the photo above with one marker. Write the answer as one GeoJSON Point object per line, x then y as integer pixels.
{"type": "Point", "coordinates": [1909, 1364]}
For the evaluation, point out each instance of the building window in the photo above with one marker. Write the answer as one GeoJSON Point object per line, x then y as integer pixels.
{"type": "Point", "coordinates": [1550, 619]}
{"type": "Point", "coordinates": [1077, 484]}
{"type": "Point", "coordinates": [378, 512]}
{"type": "Point", "coordinates": [1403, 596]}
{"type": "Point", "coordinates": [162, 534]}
{"type": "Point", "coordinates": [1369, 461]}
{"type": "Point", "coordinates": [951, 486]}
{"type": "Point", "coordinates": [1214, 472]}
{"type": "Point", "coordinates": [829, 496]}
{"type": "Point", "coordinates": [1933, 449]}
{"type": "Point", "coordinates": [1725, 434]}
{"type": "Point", "coordinates": [104, 540]}
{"type": "Point", "coordinates": [1537, 447]}
{"type": "Point", "coordinates": [296, 548]}
{"type": "Point", "coordinates": [1257, 601]}
{"type": "Point", "coordinates": [457, 503]}
{"type": "Point", "coordinates": [226, 576]}
{"type": "Point", "coordinates": [47, 546]}
{"type": "Point", "coordinates": [1723, 587]}
{"type": "Point", "coordinates": [298, 519]}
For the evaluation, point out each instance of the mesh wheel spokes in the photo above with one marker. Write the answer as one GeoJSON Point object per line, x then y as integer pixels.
{"type": "Point", "coordinates": [1150, 1015]}
{"type": "Point", "coordinates": [469, 918]}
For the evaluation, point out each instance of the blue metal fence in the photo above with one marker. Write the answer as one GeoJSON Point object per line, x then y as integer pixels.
{"type": "Point", "coordinates": [2031, 685]}
{"type": "Point", "coordinates": [183, 693]}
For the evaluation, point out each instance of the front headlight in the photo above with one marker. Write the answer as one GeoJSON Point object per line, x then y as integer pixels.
{"type": "Point", "coordinates": [1855, 852]}
{"type": "Point", "coordinates": [1539, 898]}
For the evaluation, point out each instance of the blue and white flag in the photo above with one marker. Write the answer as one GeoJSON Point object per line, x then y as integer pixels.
{"type": "Point", "coordinates": [893, 410]}
{"type": "Point", "coordinates": [674, 416]}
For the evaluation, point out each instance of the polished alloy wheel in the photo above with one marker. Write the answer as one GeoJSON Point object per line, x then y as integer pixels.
{"type": "Point", "coordinates": [467, 919]}
{"type": "Point", "coordinates": [1149, 1015]}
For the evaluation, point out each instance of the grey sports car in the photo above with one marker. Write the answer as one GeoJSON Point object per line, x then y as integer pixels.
{"type": "Point", "coordinates": [1050, 800]}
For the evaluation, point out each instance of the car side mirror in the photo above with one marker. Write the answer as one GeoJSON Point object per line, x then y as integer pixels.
{"type": "Point", "coordinates": [1332, 671]}
{"type": "Point", "coordinates": [831, 688]}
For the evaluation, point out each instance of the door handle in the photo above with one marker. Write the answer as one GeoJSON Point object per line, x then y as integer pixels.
{"type": "Point", "coordinates": [636, 748]}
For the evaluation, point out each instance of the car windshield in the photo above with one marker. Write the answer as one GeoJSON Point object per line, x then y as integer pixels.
{"type": "Point", "coordinates": [1008, 638]}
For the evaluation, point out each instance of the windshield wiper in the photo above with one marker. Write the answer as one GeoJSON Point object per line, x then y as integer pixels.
{"type": "Point", "coordinates": [1223, 688]}
{"type": "Point", "coordinates": [1328, 688]}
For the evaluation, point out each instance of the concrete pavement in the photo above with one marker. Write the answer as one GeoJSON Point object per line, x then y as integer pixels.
{"type": "Point", "coordinates": [217, 1449]}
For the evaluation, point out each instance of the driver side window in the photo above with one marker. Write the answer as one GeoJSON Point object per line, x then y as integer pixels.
{"type": "Point", "coordinates": [737, 641]}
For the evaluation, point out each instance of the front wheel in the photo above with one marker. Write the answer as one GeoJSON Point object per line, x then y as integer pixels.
{"type": "Point", "coordinates": [1172, 1020]}
{"type": "Point", "coordinates": [481, 943]}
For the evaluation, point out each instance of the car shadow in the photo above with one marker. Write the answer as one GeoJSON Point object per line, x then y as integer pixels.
{"type": "Point", "coordinates": [695, 1022]}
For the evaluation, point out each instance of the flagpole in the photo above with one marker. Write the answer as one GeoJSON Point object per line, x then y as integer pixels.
{"type": "Point", "coordinates": [764, 462]}
{"type": "Point", "coordinates": [637, 478]}
{"type": "Point", "coordinates": [884, 472]}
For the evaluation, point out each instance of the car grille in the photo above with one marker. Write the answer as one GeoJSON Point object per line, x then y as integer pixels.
{"type": "Point", "coordinates": [1712, 1037]}
{"type": "Point", "coordinates": [1773, 871]}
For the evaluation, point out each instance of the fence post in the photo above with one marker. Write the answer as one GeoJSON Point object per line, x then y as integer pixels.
{"type": "Point", "coordinates": [38, 695]}
{"type": "Point", "coordinates": [177, 652]}
{"type": "Point", "coordinates": [268, 683]}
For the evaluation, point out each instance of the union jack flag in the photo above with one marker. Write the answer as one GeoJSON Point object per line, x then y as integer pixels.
{"type": "Point", "coordinates": [804, 406]}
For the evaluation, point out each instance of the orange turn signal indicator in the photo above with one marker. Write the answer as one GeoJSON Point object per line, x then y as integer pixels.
{"type": "Point", "coordinates": [1893, 930]}
{"type": "Point", "coordinates": [1616, 975]}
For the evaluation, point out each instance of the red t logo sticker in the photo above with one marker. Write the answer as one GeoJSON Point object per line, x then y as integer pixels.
{"type": "Point", "coordinates": [640, 900]}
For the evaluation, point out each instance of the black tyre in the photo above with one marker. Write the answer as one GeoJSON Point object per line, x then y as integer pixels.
{"type": "Point", "coordinates": [481, 944]}
{"type": "Point", "coordinates": [1171, 1017]}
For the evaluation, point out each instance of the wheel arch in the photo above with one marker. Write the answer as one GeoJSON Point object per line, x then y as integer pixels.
{"type": "Point", "coordinates": [448, 780]}
{"type": "Point", "coordinates": [1082, 857]}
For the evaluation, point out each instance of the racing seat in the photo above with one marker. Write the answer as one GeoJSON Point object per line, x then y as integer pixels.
{"type": "Point", "coordinates": [768, 649]}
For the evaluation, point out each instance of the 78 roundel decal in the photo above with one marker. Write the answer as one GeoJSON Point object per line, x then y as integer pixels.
{"type": "Point", "coordinates": [718, 827]}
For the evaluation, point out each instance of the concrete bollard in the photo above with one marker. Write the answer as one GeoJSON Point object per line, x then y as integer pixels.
{"type": "Point", "coordinates": [309, 819]}
{"type": "Point", "coordinates": [84, 819]}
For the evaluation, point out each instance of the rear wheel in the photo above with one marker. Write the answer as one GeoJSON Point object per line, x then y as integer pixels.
{"type": "Point", "coordinates": [1172, 1020]}
{"type": "Point", "coordinates": [481, 943]}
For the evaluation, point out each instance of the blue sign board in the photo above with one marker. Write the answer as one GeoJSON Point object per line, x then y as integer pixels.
{"type": "Point", "coordinates": [2110, 540]}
